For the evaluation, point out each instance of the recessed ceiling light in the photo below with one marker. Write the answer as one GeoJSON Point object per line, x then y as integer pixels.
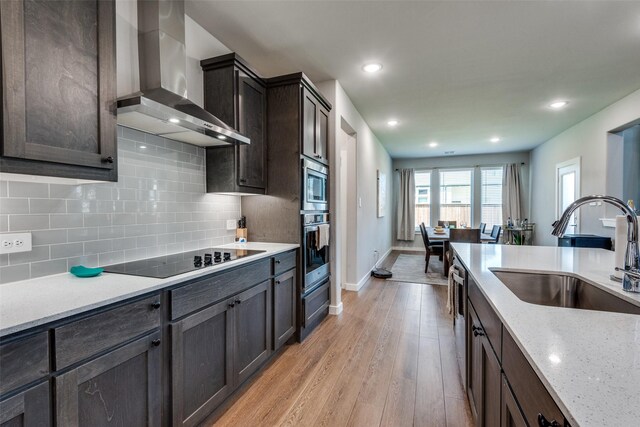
{"type": "Point", "coordinates": [433, 144]}
{"type": "Point", "coordinates": [495, 139]}
{"type": "Point", "coordinates": [392, 122]}
{"type": "Point", "coordinates": [557, 105]}
{"type": "Point", "coordinates": [174, 120]}
{"type": "Point", "coordinates": [372, 67]}
{"type": "Point", "coordinates": [222, 137]}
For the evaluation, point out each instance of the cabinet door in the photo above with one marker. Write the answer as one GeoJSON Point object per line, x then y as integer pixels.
{"type": "Point", "coordinates": [284, 308]}
{"type": "Point", "coordinates": [484, 386]}
{"type": "Point", "coordinates": [491, 386]}
{"type": "Point", "coordinates": [252, 340]}
{"type": "Point", "coordinates": [474, 366]}
{"type": "Point", "coordinates": [252, 112]}
{"type": "Point", "coordinates": [122, 387]}
{"type": "Point", "coordinates": [511, 414]}
{"type": "Point", "coordinates": [322, 136]}
{"type": "Point", "coordinates": [59, 88]}
{"type": "Point", "coordinates": [201, 363]}
{"type": "Point", "coordinates": [31, 408]}
{"type": "Point", "coordinates": [309, 124]}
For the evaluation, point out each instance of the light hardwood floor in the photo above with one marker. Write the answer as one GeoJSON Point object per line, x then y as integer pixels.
{"type": "Point", "coordinates": [389, 359]}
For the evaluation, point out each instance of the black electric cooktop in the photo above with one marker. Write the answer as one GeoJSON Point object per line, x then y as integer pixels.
{"type": "Point", "coordinates": [171, 265]}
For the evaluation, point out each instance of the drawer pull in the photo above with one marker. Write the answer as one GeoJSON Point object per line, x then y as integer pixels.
{"type": "Point", "coordinates": [277, 282]}
{"type": "Point", "coordinates": [543, 422]}
{"type": "Point", "coordinates": [477, 330]}
{"type": "Point", "coordinates": [277, 261]}
{"type": "Point", "coordinates": [155, 343]}
{"type": "Point", "coordinates": [155, 305]}
{"type": "Point", "coordinates": [238, 301]}
{"type": "Point", "coordinates": [231, 305]}
{"type": "Point", "coordinates": [108, 159]}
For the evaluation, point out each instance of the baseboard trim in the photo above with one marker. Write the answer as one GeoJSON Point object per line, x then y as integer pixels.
{"type": "Point", "coordinates": [335, 309]}
{"type": "Point", "coordinates": [355, 287]}
{"type": "Point", "coordinates": [409, 248]}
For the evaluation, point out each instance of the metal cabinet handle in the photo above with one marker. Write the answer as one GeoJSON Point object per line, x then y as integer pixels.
{"type": "Point", "coordinates": [155, 305]}
{"type": "Point", "coordinates": [231, 305]}
{"type": "Point", "coordinates": [543, 422]}
{"type": "Point", "coordinates": [277, 282]}
{"type": "Point", "coordinates": [238, 301]}
{"type": "Point", "coordinates": [317, 156]}
{"type": "Point", "coordinates": [108, 159]}
{"type": "Point", "coordinates": [477, 330]}
{"type": "Point", "coordinates": [155, 343]}
{"type": "Point", "coordinates": [242, 180]}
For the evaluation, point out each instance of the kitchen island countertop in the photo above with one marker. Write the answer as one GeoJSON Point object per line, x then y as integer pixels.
{"type": "Point", "coordinates": [30, 303]}
{"type": "Point", "coordinates": [588, 360]}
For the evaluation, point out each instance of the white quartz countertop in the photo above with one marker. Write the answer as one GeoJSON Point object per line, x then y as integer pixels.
{"type": "Point", "coordinates": [35, 302]}
{"type": "Point", "coordinates": [588, 360]}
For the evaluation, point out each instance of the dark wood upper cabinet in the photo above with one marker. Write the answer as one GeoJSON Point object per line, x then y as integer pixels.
{"type": "Point", "coordinates": [59, 88]}
{"type": "Point", "coordinates": [237, 95]}
{"type": "Point", "coordinates": [315, 127]}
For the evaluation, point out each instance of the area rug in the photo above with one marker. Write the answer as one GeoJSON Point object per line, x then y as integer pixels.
{"type": "Point", "coordinates": [410, 268]}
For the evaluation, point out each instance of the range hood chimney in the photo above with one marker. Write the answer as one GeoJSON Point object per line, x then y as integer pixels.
{"type": "Point", "coordinates": [162, 107]}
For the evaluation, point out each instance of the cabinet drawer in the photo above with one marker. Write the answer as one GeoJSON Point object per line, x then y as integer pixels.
{"type": "Point", "coordinates": [23, 361]}
{"type": "Point", "coordinates": [488, 318]}
{"type": "Point", "coordinates": [284, 262]}
{"type": "Point", "coordinates": [83, 338]}
{"type": "Point", "coordinates": [202, 293]}
{"type": "Point", "coordinates": [528, 390]}
{"type": "Point", "coordinates": [314, 304]}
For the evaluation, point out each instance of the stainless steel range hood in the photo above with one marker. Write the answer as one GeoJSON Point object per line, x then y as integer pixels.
{"type": "Point", "coordinates": [162, 107]}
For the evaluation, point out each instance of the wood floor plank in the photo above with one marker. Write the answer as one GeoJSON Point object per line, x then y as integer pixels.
{"type": "Point", "coordinates": [344, 394]}
{"type": "Point", "coordinates": [388, 359]}
{"type": "Point", "coordinates": [429, 407]}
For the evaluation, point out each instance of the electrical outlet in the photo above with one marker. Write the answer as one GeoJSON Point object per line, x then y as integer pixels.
{"type": "Point", "coordinates": [12, 243]}
{"type": "Point", "coordinates": [231, 224]}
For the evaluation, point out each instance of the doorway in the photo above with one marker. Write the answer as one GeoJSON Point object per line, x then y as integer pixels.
{"type": "Point", "coordinates": [346, 201]}
{"type": "Point", "coordinates": [568, 191]}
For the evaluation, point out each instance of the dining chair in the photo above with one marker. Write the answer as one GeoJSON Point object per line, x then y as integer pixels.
{"type": "Point", "coordinates": [462, 235]}
{"type": "Point", "coordinates": [453, 224]}
{"type": "Point", "coordinates": [495, 233]}
{"type": "Point", "coordinates": [482, 227]}
{"type": "Point", "coordinates": [428, 246]}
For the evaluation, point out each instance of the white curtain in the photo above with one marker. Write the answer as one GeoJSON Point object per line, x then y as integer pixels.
{"type": "Point", "coordinates": [511, 193]}
{"type": "Point", "coordinates": [406, 205]}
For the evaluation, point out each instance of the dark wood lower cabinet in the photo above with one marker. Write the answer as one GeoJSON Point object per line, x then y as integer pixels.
{"type": "Point", "coordinates": [122, 387]}
{"type": "Point", "coordinates": [511, 414]}
{"type": "Point", "coordinates": [252, 330]}
{"type": "Point", "coordinates": [485, 376]}
{"type": "Point", "coordinates": [31, 408]}
{"type": "Point", "coordinates": [502, 387]}
{"type": "Point", "coordinates": [284, 308]}
{"type": "Point", "coordinates": [202, 375]}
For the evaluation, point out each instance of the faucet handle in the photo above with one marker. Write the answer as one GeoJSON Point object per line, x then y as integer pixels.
{"type": "Point", "coordinates": [632, 273]}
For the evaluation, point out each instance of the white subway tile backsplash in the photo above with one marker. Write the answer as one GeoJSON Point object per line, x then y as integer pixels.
{"type": "Point", "coordinates": [158, 206]}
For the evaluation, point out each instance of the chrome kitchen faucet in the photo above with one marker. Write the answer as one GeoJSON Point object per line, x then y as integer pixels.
{"type": "Point", "coordinates": [631, 279]}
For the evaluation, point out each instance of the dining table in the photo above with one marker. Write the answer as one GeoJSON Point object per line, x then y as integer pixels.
{"type": "Point", "coordinates": [443, 236]}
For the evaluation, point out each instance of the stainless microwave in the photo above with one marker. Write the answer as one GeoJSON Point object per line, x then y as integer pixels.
{"type": "Point", "coordinates": [315, 186]}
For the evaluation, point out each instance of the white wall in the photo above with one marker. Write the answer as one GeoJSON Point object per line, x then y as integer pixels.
{"type": "Point", "coordinates": [373, 233]}
{"type": "Point", "coordinates": [472, 161]}
{"type": "Point", "coordinates": [587, 139]}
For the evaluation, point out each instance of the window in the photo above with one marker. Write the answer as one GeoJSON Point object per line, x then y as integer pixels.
{"type": "Point", "coordinates": [455, 196]}
{"type": "Point", "coordinates": [423, 198]}
{"type": "Point", "coordinates": [491, 197]}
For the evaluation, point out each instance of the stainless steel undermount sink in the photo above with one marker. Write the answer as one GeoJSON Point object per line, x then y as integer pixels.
{"type": "Point", "coordinates": [562, 290]}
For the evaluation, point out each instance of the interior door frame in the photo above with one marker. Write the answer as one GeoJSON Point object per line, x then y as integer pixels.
{"type": "Point", "coordinates": [577, 163]}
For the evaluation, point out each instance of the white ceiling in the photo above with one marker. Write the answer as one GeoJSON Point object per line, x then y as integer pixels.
{"type": "Point", "coordinates": [454, 72]}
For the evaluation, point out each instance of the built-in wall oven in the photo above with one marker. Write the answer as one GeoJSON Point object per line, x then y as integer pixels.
{"type": "Point", "coordinates": [315, 186]}
{"type": "Point", "coordinates": [315, 250]}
